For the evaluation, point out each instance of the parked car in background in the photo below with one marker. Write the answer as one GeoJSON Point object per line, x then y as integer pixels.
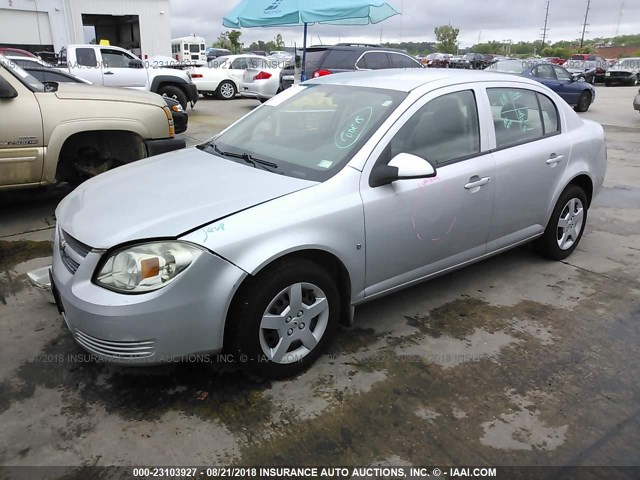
{"type": "Point", "coordinates": [582, 68]}
{"type": "Point", "coordinates": [472, 61]}
{"type": "Point", "coordinates": [575, 91]}
{"type": "Point", "coordinates": [26, 62]}
{"type": "Point", "coordinates": [626, 71]}
{"type": "Point", "coordinates": [265, 81]}
{"type": "Point", "coordinates": [636, 102]}
{"type": "Point", "coordinates": [61, 132]}
{"type": "Point", "coordinates": [554, 60]}
{"type": "Point", "coordinates": [260, 53]}
{"type": "Point", "coordinates": [222, 76]}
{"type": "Point", "coordinates": [257, 250]}
{"type": "Point", "coordinates": [344, 57]}
{"type": "Point", "coordinates": [16, 52]}
{"type": "Point", "coordinates": [455, 61]}
{"type": "Point", "coordinates": [436, 60]}
{"type": "Point", "coordinates": [116, 67]}
{"type": "Point", "coordinates": [213, 53]}
{"type": "Point", "coordinates": [601, 63]}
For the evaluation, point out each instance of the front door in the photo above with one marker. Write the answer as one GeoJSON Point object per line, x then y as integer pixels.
{"type": "Point", "coordinates": [415, 228]}
{"type": "Point", "coordinates": [21, 136]}
{"type": "Point", "coordinates": [120, 69]}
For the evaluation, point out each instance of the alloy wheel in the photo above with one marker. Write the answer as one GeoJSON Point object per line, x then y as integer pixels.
{"type": "Point", "coordinates": [570, 224]}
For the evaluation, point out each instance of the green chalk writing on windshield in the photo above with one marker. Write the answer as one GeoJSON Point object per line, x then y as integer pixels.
{"type": "Point", "coordinates": [351, 130]}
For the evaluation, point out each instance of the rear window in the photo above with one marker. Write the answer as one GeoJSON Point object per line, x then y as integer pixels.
{"type": "Point", "coordinates": [314, 61]}
{"type": "Point", "coordinates": [194, 48]}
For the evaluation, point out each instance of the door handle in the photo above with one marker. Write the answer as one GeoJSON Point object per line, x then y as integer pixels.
{"type": "Point", "coordinates": [108, 73]}
{"type": "Point", "coordinates": [477, 183]}
{"type": "Point", "coordinates": [553, 159]}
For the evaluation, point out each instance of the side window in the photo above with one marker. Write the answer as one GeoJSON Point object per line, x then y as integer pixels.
{"type": "Point", "coordinates": [399, 60]}
{"type": "Point", "coordinates": [443, 130]}
{"type": "Point", "coordinates": [86, 57]}
{"type": "Point", "coordinates": [239, 64]}
{"type": "Point", "coordinates": [374, 61]}
{"type": "Point", "coordinates": [545, 71]}
{"type": "Point", "coordinates": [562, 74]}
{"type": "Point", "coordinates": [550, 119]}
{"type": "Point", "coordinates": [516, 116]}
{"type": "Point", "coordinates": [115, 58]}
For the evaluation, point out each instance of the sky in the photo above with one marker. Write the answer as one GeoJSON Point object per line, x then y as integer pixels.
{"type": "Point", "coordinates": [515, 20]}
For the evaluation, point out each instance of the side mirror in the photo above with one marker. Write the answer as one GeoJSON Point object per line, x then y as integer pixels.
{"type": "Point", "coordinates": [7, 90]}
{"type": "Point", "coordinates": [403, 166]}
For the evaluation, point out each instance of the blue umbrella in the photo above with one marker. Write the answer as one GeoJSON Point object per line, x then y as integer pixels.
{"type": "Point", "coordinates": [270, 13]}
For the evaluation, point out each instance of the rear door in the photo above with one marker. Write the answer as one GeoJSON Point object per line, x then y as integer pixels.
{"type": "Point", "coordinates": [236, 70]}
{"type": "Point", "coordinates": [531, 155]}
{"type": "Point", "coordinates": [21, 135]}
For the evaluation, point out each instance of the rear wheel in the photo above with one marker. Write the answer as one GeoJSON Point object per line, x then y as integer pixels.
{"type": "Point", "coordinates": [174, 92]}
{"type": "Point", "coordinates": [226, 90]}
{"type": "Point", "coordinates": [566, 226]}
{"type": "Point", "coordinates": [284, 318]}
{"type": "Point", "coordinates": [584, 103]}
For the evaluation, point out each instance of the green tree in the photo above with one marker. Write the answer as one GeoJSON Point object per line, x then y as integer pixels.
{"type": "Point", "coordinates": [447, 38]}
{"type": "Point", "coordinates": [234, 38]}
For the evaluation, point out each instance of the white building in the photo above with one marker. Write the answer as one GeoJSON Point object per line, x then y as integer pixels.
{"type": "Point", "coordinates": [142, 26]}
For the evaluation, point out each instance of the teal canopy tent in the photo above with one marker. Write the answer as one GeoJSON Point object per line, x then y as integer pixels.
{"type": "Point", "coordinates": [286, 13]}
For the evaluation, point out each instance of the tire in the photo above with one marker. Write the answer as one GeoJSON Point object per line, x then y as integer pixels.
{"type": "Point", "coordinates": [281, 352]}
{"type": "Point", "coordinates": [226, 90]}
{"type": "Point", "coordinates": [584, 103]}
{"type": "Point", "coordinates": [567, 221]}
{"type": "Point", "coordinates": [174, 92]}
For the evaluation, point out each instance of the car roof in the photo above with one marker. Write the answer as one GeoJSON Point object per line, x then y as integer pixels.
{"type": "Point", "coordinates": [406, 80]}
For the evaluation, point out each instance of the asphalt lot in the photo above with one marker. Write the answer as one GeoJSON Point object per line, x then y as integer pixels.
{"type": "Point", "coordinates": [513, 361]}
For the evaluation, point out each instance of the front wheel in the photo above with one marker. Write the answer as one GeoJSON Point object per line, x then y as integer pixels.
{"type": "Point", "coordinates": [174, 92]}
{"type": "Point", "coordinates": [584, 103]}
{"type": "Point", "coordinates": [284, 318]}
{"type": "Point", "coordinates": [566, 226]}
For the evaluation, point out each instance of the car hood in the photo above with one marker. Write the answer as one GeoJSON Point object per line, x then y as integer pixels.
{"type": "Point", "coordinates": [76, 91]}
{"type": "Point", "coordinates": [624, 69]}
{"type": "Point", "coordinates": [166, 196]}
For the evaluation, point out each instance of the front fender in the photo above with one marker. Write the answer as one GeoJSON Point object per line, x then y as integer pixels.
{"type": "Point", "coordinates": [62, 132]}
{"type": "Point", "coordinates": [327, 217]}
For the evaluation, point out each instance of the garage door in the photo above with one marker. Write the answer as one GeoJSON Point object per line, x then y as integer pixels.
{"type": "Point", "coordinates": [25, 27]}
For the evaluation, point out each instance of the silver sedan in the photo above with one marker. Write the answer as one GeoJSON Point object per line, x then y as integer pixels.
{"type": "Point", "coordinates": [333, 193]}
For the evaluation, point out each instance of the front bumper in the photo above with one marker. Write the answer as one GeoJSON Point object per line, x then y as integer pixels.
{"type": "Point", "coordinates": [180, 121]}
{"type": "Point", "coordinates": [164, 145]}
{"type": "Point", "coordinates": [184, 318]}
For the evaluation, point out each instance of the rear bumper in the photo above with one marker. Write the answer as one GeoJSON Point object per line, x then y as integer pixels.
{"type": "Point", "coordinates": [164, 145]}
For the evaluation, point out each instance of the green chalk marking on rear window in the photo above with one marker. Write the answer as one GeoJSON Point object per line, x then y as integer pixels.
{"type": "Point", "coordinates": [353, 128]}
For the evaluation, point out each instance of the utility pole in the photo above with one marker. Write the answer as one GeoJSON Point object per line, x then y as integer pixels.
{"type": "Point", "coordinates": [545, 29]}
{"type": "Point", "coordinates": [619, 19]}
{"type": "Point", "coordinates": [584, 26]}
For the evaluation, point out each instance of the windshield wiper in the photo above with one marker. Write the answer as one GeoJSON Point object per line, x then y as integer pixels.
{"type": "Point", "coordinates": [244, 156]}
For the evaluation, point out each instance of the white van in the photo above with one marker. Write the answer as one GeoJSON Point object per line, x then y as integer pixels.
{"type": "Point", "coordinates": [190, 50]}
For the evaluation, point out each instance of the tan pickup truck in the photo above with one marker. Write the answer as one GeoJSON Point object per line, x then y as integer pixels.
{"type": "Point", "coordinates": [53, 132]}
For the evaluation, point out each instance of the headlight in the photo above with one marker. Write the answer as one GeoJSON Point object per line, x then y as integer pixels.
{"type": "Point", "coordinates": [146, 267]}
{"type": "Point", "coordinates": [607, 74]}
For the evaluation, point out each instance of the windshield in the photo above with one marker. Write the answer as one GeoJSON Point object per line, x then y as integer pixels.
{"type": "Point", "coordinates": [509, 66]}
{"type": "Point", "coordinates": [308, 132]}
{"type": "Point", "coordinates": [29, 80]}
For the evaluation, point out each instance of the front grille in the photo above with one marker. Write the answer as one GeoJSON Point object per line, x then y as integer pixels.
{"type": "Point", "coordinates": [116, 350]}
{"type": "Point", "coordinates": [619, 74]}
{"type": "Point", "coordinates": [72, 251]}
